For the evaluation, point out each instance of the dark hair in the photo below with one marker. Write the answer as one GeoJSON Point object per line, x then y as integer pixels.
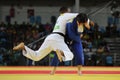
{"type": "Point", "coordinates": [82, 17]}
{"type": "Point", "coordinates": [63, 9]}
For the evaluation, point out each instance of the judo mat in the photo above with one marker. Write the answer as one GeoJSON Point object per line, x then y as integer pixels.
{"type": "Point", "coordinates": [62, 73]}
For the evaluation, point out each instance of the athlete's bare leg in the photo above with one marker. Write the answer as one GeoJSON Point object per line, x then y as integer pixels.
{"type": "Point", "coordinates": [20, 46]}
{"type": "Point", "coordinates": [79, 69]}
{"type": "Point", "coordinates": [59, 54]}
{"type": "Point", "coordinates": [53, 71]}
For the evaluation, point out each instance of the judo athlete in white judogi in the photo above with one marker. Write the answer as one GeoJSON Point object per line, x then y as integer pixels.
{"type": "Point", "coordinates": [53, 42]}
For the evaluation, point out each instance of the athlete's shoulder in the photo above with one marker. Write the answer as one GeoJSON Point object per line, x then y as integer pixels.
{"type": "Point", "coordinates": [70, 14]}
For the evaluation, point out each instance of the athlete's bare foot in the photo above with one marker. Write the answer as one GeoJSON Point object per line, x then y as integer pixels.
{"type": "Point", "coordinates": [52, 73]}
{"type": "Point", "coordinates": [80, 73]}
{"type": "Point", "coordinates": [59, 55]}
{"type": "Point", "coordinates": [19, 46]}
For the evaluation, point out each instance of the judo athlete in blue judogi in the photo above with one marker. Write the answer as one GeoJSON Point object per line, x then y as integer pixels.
{"type": "Point", "coordinates": [74, 32]}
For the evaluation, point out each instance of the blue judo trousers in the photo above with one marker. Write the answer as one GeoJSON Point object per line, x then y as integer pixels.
{"type": "Point", "coordinates": [76, 46]}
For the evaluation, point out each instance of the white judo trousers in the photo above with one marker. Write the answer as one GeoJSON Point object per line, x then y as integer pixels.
{"type": "Point", "coordinates": [51, 43]}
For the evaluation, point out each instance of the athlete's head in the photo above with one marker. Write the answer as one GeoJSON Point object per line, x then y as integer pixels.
{"type": "Point", "coordinates": [64, 10]}
{"type": "Point", "coordinates": [81, 18]}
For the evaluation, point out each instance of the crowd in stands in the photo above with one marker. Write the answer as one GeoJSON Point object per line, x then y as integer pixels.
{"type": "Point", "coordinates": [12, 34]}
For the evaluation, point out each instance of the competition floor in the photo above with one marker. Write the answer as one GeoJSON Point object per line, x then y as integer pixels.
{"type": "Point", "coordinates": [62, 73]}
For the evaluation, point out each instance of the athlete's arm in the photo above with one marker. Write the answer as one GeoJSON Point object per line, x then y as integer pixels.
{"type": "Point", "coordinates": [89, 23]}
{"type": "Point", "coordinates": [71, 33]}
{"type": "Point", "coordinates": [69, 16]}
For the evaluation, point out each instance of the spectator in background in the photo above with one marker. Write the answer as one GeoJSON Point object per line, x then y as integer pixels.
{"type": "Point", "coordinates": [109, 60]}
{"type": "Point", "coordinates": [1, 57]}
{"type": "Point", "coordinates": [100, 49]}
{"type": "Point", "coordinates": [48, 28]}
{"type": "Point", "coordinates": [53, 20]}
{"type": "Point", "coordinates": [4, 38]}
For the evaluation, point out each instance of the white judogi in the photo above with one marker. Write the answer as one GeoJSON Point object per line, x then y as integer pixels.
{"type": "Point", "coordinates": [53, 41]}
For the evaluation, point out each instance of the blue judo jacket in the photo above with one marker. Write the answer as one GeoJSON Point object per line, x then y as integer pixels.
{"type": "Point", "coordinates": [71, 31]}
{"type": "Point", "coordinates": [74, 36]}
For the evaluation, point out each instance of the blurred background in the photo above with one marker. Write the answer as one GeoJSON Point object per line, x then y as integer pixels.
{"type": "Point", "coordinates": [30, 20]}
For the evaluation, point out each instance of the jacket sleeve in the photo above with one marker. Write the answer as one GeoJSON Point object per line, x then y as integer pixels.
{"type": "Point", "coordinates": [72, 34]}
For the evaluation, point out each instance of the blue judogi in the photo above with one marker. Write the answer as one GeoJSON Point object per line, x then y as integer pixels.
{"type": "Point", "coordinates": [74, 36]}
